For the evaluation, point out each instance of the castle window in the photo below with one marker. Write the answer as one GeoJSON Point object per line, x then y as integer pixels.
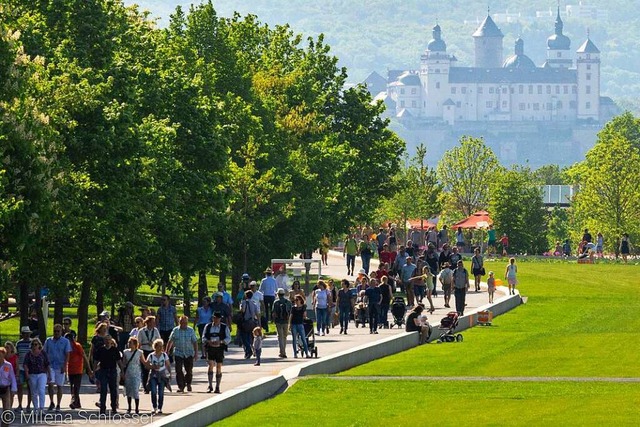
{"type": "Point", "coordinates": [480, 90]}
{"type": "Point", "coordinates": [539, 89]}
{"type": "Point", "coordinates": [504, 104]}
{"type": "Point", "coordinates": [566, 90]}
{"type": "Point", "coordinates": [522, 106]}
{"type": "Point", "coordinates": [437, 70]}
{"type": "Point", "coordinates": [587, 105]}
{"type": "Point", "coordinates": [557, 90]}
{"type": "Point", "coordinates": [511, 90]}
{"type": "Point", "coordinates": [530, 89]}
{"type": "Point", "coordinates": [549, 106]}
{"type": "Point", "coordinates": [588, 76]}
{"type": "Point", "coordinates": [588, 66]}
{"type": "Point", "coordinates": [588, 90]}
{"type": "Point", "coordinates": [536, 106]}
{"type": "Point", "coordinates": [559, 105]}
{"type": "Point", "coordinates": [402, 104]}
{"type": "Point", "coordinates": [437, 85]}
{"type": "Point", "coordinates": [413, 104]}
{"type": "Point", "coordinates": [573, 105]}
{"type": "Point", "coordinates": [504, 90]}
{"type": "Point", "coordinates": [588, 56]}
{"type": "Point", "coordinates": [491, 90]}
{"type": "Point", "coordinates": [548, 89]}
{"type": "Point", "coordinates": [458, 104]}
{"type": "Point", "coordinates": [414, 91]}
{"type": "Point", "coordinates": [574, 89]}
{"type": "Point", "coordinates": [453, 91]}
{"type": "Point", "coordinates": [463, 90]}
{"type": "Point", "coordinates": [402, 91]}
{"type": "Point", "coordinates": [424, 104]}
{"type": "Point", "coordinates": [521, 89]}
{"type": "Point", "coordinates": [489, 104]}
{"type": "Point", "coordinates": [559, 54]}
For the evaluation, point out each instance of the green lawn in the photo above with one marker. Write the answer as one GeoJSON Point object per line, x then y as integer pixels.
{"type": "Point", "coordinates": [579, 321]}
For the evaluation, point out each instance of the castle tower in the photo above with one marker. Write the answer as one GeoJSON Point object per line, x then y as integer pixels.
{"type": "Point", "coordinates": [434, 75]}
{"type": "Point", "coordinates": [558, 47]}
{"type": "Point", "coordinates": [488, 44]}
{"type": "Point", "coordinates": [588, 68]}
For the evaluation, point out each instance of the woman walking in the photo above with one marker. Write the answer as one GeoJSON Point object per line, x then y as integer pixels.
{"type": "Point", "coordinates": [510, 276]}
{"type": "Point", "coordinates": [37, 372]}
{"type": "Point", "coordinates": [477, 268]}
{"type": "Point", "coordinates": [8, 383]}
{"type": "Point", "coordinates": [344, 306]}
{"type": "Point", "coordinates": [108, 359]}
{"type": "Point", "coordinates": [132, 371]}
{"type": "Point", "coordinates": [159, 367]}
{"type": "Point", "coordinates": [296, 325]}
{"type": "Point", "coordinates": [321, 302]}
{"type": "Point", "coordinates": [625, 247]}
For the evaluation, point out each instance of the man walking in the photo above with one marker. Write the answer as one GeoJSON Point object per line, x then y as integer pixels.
{"type": "Point", "coordinates": [350, 251]}
{"type": "Point", "coordinates": [406, 273]}
{"type": "Point", "coordinates": [184, 343]}
{"type": "Point", "coordinates": [216, 338]}
{"type": "Point", "coordinates": [461, 285]}
{"type": "Point", "coordinates": [58, 350]}
{"type": "Point", "coordinates": [166, 317]}
{"type": "Point", "coordinates": [268, 288]}
{"type": "Point", "coordinates": [126, 320]}
{"type": "Point", "coordinates": [281, 313]}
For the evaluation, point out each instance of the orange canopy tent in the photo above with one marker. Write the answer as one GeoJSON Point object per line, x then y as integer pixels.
{"type": "Point", "coordinates": [477, 221]}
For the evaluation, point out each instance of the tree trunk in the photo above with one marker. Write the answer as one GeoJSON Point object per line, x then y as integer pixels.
{"type": "Point", "coordinates": [42, 326]}
{"type": "Point", "coordinates": [131, 293]}
{"type": "Point", "coordinates": [23, 302]}
{"type": "Point", "coordinates": [164, 282]}
{"type": "Point", "coordinates": [186, 295]}
{"type": "Point", "coordinates": [203, 287]}
{"type": "Point", "coordinates": [99, 300]}
{"type": "Point", "coordinates": [58, 313]}
{"type": "Point", "coordinates": [83, 311]}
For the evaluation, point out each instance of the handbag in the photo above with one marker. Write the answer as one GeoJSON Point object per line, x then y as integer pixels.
{"type": "Point", "coordinates": [482, 271]}
{"type": "Point", "coordinates": [124, 371]}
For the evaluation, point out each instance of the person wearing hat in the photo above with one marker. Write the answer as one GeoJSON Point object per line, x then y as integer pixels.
{"type": "Point", "coordinates": [258, 298]}
{"type": "Point", "coordinates": [216, 337]}
{"type": "Point", "coordinates": [268, 287]}
{"type": "Point", "coordinates": [217, 304]}
{"type": "Point", "coordinates": [23, 346]}
{"type": "Point", "coordinates": [280, 315]}
{"type": "Point", "coordinates": [226, 298]}
{"type": "Point", "coordinates": [244, 287]}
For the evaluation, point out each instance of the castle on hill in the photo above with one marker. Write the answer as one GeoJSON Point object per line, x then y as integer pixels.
{"type": "Point", "coordinates": [496, 89]}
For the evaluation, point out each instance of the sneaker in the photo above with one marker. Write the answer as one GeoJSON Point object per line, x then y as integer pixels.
{"type": "Point", "coordinates": [57, 408]}
{"type": "Point", "coordinates": [153, 412]}
{"type": "Point", "coordinates": [52, 407]}
{"type": "Point", "coordinates": [210, 389]}
{"type": "Point", "coordinates": [180, 390]}
{"type": "Point", "coordinates": [256, 364]}
{"type": "Point", "coordinates": [159, 412]}
{"type": "Point", "coordinates": [341, 330]}
{"type": "Point", "coordinates": [217, 390]}
{"type": "Point", "coordinates": [375, 332]}
{"type": "Point", "coordinates": [188, 387]}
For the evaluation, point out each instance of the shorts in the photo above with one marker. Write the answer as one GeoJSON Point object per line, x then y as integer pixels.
{"type": "Point", "coordinates": [420, 290]}
{"type": "Point", "coordinates": [491, 243]}
{"type": "Point", "coordinates": [512, 281]}
{"type": "Point", "coordinates": [57, 377]}
{"type": "Point", "coordinates": [446, 288]}
{"type": "Point", "coordinates": [215, 354]}
{"type": "Point", "coordinates": [477, 271]}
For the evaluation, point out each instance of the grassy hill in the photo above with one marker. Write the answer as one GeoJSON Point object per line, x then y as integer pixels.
{"type": "Point", "coordinates": [380, 35]}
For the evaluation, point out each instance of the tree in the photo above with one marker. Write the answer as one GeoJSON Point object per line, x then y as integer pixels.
{"type": "Point", "coordinates": [466, 172]}
{"type": "Point", "coordinates": [609, 189]}
{"type": "Point", "coordinates": [549, 175]}
{"type": "Point", "coordinates": [517, 209]}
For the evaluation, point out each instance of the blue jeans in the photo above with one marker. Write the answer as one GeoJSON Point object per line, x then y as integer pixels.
{"type": "Point", "coordinates": [297, 331]}
{"type": "Point", "coordinates": [351, 262]}
{"type": "Point", "coordinates": [345, 316]}
{"type": "Point", "coordinates": [322, 317]}
{"type": "Point", "coordinates": [157, 392]}
{"type": "Point", "coordinates": [108, 378]}
{"type": "Point", "coordinates": [366, 261]}
{"type": "Point", "coordinates": [374, 316]}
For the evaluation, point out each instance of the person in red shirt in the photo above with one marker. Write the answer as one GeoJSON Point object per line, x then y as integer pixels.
{"type": "Point", "coordinates": [504, 241]}
{"type": "Point", "coordinates": [382, 271]}
{"type": "Point", "coordinates": [387, 256]}
{"type": "Point", "coordinates": [77, 362]}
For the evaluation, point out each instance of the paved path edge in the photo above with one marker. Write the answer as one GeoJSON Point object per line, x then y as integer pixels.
{"type": "Point", "coordinates": [217, 408]}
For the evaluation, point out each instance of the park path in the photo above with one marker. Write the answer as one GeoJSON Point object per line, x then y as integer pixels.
{"type": "Point", "coordinates": [238, 371]}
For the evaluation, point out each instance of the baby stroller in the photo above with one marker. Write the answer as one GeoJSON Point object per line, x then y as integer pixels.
{"type": "Point", "coordinates": [447, 326]}
{"type": "Point", "coordinates": [398, 310]}
{"type": "Point", "coordinates": [361, 310]}
{"type": "Point", "coordinates": [310, 337]}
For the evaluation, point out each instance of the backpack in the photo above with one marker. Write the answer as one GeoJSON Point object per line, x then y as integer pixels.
{"type": "Point", "coordinates": [281, 311]}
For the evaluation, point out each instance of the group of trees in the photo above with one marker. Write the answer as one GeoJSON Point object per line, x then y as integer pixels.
{"type": "Point", "coordinates": [134, 154]}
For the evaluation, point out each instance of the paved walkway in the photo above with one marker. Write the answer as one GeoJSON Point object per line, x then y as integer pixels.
{"type": "Point", "coordinates": [238, 371]}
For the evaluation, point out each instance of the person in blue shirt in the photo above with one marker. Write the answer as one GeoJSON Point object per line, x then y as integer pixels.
{"type": "Point", "coordinates": [406, 273]}
{"type": "Point", "coordinates": [268, 287]}
{"type": "Point", "coordinates": [374, 298]}
{"type": "Point", "coordinates": [226, 297]}
{"type": "Point", "coordinates": [58, 350]}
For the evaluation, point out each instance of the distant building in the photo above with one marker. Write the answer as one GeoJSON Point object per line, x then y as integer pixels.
{"type": "Point", "coordinates": [496, 89]}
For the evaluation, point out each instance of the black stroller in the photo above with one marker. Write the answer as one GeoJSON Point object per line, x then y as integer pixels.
{"type": "Point", "coordinates": [361, 314]}
{"type": "Point", "coordinates": [310, 336]}
{"type": "Point", "coordinates": [398, 310]}
{"type": "Point", "coordinates": [447, 326]}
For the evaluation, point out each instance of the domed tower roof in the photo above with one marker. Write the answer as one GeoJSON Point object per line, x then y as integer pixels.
{"type": "Point", "coordinates": [488, 28]}
{"type": "Point", "coordinates": [559, 41]}
{"type": "Point", "coordinates": [519, 59]}
{"type": "Point", "coordinates": [437, 44]}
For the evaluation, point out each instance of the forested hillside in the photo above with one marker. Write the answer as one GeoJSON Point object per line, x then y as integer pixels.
{"type": "Point", "coordinates": [380, 35]}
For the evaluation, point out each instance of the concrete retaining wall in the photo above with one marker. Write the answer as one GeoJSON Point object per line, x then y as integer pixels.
{"type": "Point", "coordinates": [217, 408]}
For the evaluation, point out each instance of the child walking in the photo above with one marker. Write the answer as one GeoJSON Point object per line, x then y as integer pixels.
{"type": "Point", "coordinates": [491, 284]}
{"type": "Point", "coordinates": [510, 276]}
{"type": "Point", "coordinates": [257, 344]}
